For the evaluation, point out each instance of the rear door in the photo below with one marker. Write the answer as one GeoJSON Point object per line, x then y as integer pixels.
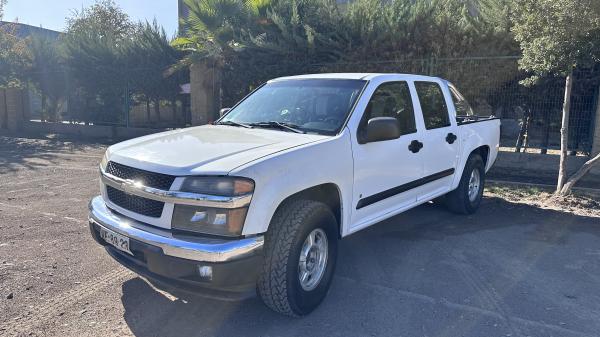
{"type": "Point", "coordinates": [384, 171]}
{"type": "Point", "coordinates": [440, 139]}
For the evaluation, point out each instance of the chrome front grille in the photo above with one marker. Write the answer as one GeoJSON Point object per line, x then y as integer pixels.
{"type": "Point", "coordinates": [147, 178]}
{"type": "Point", "coordinates": [140, 205]}
{"type": "Point", "coordinates": [143, 206]}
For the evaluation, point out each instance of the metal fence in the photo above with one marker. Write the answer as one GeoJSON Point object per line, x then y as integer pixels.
{"type": "Point", "coordinates": [531, 116]}
{"type": "Point", "coordinates": [60, 100]}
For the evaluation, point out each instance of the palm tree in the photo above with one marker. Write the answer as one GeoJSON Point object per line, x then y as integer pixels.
{"type": "Point", "coordinates": [214, 29]}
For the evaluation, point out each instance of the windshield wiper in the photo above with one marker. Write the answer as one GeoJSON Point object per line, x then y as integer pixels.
{"type": "Point", "coordinates": [278, 125]}
{"type": "Point", "coordinates": [232, 123]}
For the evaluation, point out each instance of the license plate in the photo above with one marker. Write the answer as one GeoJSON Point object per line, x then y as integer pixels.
{"type": "Point", "coordinates": [119, 241]}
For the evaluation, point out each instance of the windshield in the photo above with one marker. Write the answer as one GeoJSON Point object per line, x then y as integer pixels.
{"type": "Point", "coordinates": [311, 105]}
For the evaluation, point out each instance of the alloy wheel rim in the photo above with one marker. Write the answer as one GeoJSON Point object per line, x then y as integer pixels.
{"type": "Point", "coordinates": [474, 184]}
{"type": "Point", "coordinates": [313, 259]}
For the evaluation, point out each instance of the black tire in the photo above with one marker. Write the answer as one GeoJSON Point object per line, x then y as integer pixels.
{"type": "Point", "coordinates": [279, 284]}
{"type": "Point", "coordinates": [458, 201]}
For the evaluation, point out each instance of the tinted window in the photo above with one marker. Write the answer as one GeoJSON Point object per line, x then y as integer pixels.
{"type": "Point", "coordinates": [433, 105]}
{"type": "Point", "coordinates": [392, 100]}
{"type": "Point", "coordinates": [463, 108]}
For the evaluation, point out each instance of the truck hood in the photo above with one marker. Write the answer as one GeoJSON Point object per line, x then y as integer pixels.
{"type": "Point", "coordinates": [208, 149]}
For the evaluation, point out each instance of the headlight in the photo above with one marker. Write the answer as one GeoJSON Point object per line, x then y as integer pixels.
{"type": "Point", "coordinates": [104, 161]}
{"type": "Point", "coordinates": [212, 220]}
{"type": "Point", "coordinates": [222, 186]}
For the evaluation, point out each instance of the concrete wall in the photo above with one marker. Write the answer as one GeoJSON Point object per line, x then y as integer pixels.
{"type": "Point", "coordinates": [13, 108]}
{"type": "Point", "coordinates": [169, 116]}
{"type": "Point", "coordinates": [205, 93]}
{"type": "Point", "coordinates": [86, 131]}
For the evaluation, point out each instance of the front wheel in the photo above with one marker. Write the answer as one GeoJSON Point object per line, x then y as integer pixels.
{"type": "Point", "coordinates": [299, 257]}
{"type": "Point", "coordinates": [466, 198]}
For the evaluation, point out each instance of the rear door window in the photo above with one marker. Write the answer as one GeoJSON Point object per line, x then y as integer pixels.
{"type": "Point", "coordinates": [433, 105]}
{"type": "Point", "coordinates": [463, 108]}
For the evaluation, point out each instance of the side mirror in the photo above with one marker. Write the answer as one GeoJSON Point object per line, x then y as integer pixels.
{"type": "Point", "coordinates": [382, 128]}
{"type": "Point", "coordinates": [223, 111]}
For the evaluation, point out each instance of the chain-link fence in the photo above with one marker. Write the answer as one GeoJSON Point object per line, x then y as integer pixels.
{"type": "Point", "coordinates": [56, 97]}
{"type": "Point", "coordinates": [531, 116]}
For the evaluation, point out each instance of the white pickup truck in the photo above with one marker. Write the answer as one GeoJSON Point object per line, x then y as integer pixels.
{"type": "Point", "coordinates": [258, 200]}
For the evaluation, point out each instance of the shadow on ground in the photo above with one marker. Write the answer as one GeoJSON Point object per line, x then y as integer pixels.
{"type": "Point", "coordinates": [510, 269]}
{"type": "Point", "coordinates": [34, 153]}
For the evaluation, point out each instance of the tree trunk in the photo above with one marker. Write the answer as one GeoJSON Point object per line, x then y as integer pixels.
{"type": "Point", "coordinates": [157, 110]}
{"type": "Point", "coordinates": [564, 134]}
{"type": "Point", "coordinates": [174, 109]}
{"type": "Point", "coordinates": [44, 115]}
{"type": "Point", "coordinates": [147, 111]}
{"type": "Point", "coordinates": [579, 174]}
{"type": "Point", "coordinates": [522, 131]}
{"type": "Point", "coordinates": [526, 135]}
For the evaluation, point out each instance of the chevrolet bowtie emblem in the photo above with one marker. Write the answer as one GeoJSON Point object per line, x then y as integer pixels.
{"type": "Point", "coordinates": [131, 185]}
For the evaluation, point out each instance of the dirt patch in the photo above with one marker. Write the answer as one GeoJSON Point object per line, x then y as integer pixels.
{"type": "Point", "coordinates": [577, 203]}
{"type": "Point", "coordinates": [512, 268]}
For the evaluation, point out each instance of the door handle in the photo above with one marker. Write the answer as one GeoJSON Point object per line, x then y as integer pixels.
{"type": "Point", "coordinates": [415, 146]}
{"type": "Point", "coordinates": [450, 138]}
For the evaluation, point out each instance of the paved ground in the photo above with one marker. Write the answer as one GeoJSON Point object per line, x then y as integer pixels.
{"type": "Point", "coordinates": [509, 270]}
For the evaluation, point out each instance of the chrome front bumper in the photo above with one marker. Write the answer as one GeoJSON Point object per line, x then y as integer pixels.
{"type": "Point", "coordinates": [185, 247]}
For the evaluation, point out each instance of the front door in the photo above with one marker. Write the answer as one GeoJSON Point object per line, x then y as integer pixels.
{"type": "Point", "coordinates": [384, 170]}
{"type": "Point", "coordinates": [440, 142]}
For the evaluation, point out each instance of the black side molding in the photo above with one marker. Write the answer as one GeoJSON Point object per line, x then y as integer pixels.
{"type": "Point", "coordinates": [364, 202]}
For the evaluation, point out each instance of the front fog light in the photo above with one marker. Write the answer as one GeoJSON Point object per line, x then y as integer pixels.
{"type": "Point", "coordinates": [205, 272]}
{"type": "Point", "coordinates": [205, 220]}
{"type": "Point", "coordinates": [199, 216]}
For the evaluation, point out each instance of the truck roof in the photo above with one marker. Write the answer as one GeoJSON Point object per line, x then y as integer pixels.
{"type": "Point", "coordinates": [353, 76]}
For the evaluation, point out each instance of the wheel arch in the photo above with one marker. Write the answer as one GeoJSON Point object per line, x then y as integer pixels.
{"type": "Point", "coordinates": [327, 193]}
{"type": "Point", "coordinates": [481, 150]}
{"type": "Point", "coordinates": [484, 152]}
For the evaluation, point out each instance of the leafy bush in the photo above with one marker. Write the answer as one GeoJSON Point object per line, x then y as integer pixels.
{"type": "Point", "coordinates": [257, 40]}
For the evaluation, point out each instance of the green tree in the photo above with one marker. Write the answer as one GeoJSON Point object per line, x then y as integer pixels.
{"type": "Point", "coordinates": [426, 28]}
{"type": "Point", "coordinates": [212, 30]}
{"type": "Point", "coordinates": [15, 56]}
{"type": "Point", "coordinates": [556, 37]}
{"type": "Point", "coordinates": [301, 31]}
{"type": "Point", "coordinates": [152, 54]}
{"type": "Point", "coordinates": [105, 19]}
{"type": "Point", "coordinates": [96, 42]}
{"type": "Point", "coordinates": [2, 4]}
{"type": "Point", "coordinates": [296, 36]}
{"type": "Point", "coordinates": [47, 73]}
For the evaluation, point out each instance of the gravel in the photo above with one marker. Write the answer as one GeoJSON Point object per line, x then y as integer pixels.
{"type": "Point", "coordinates": [514, 268]}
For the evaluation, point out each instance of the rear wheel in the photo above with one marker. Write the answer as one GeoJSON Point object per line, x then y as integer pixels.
{"type": "Point", "coordinates": [466, 198]}
{"type": "Point", "coordinates": [300, 254]}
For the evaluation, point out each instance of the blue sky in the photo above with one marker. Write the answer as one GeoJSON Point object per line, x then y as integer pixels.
{"type": "Point", "coordinates": [51, 14]}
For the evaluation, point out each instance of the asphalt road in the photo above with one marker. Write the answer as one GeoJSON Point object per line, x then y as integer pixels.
{"type": "Point", "coordinates": [509, 270]}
